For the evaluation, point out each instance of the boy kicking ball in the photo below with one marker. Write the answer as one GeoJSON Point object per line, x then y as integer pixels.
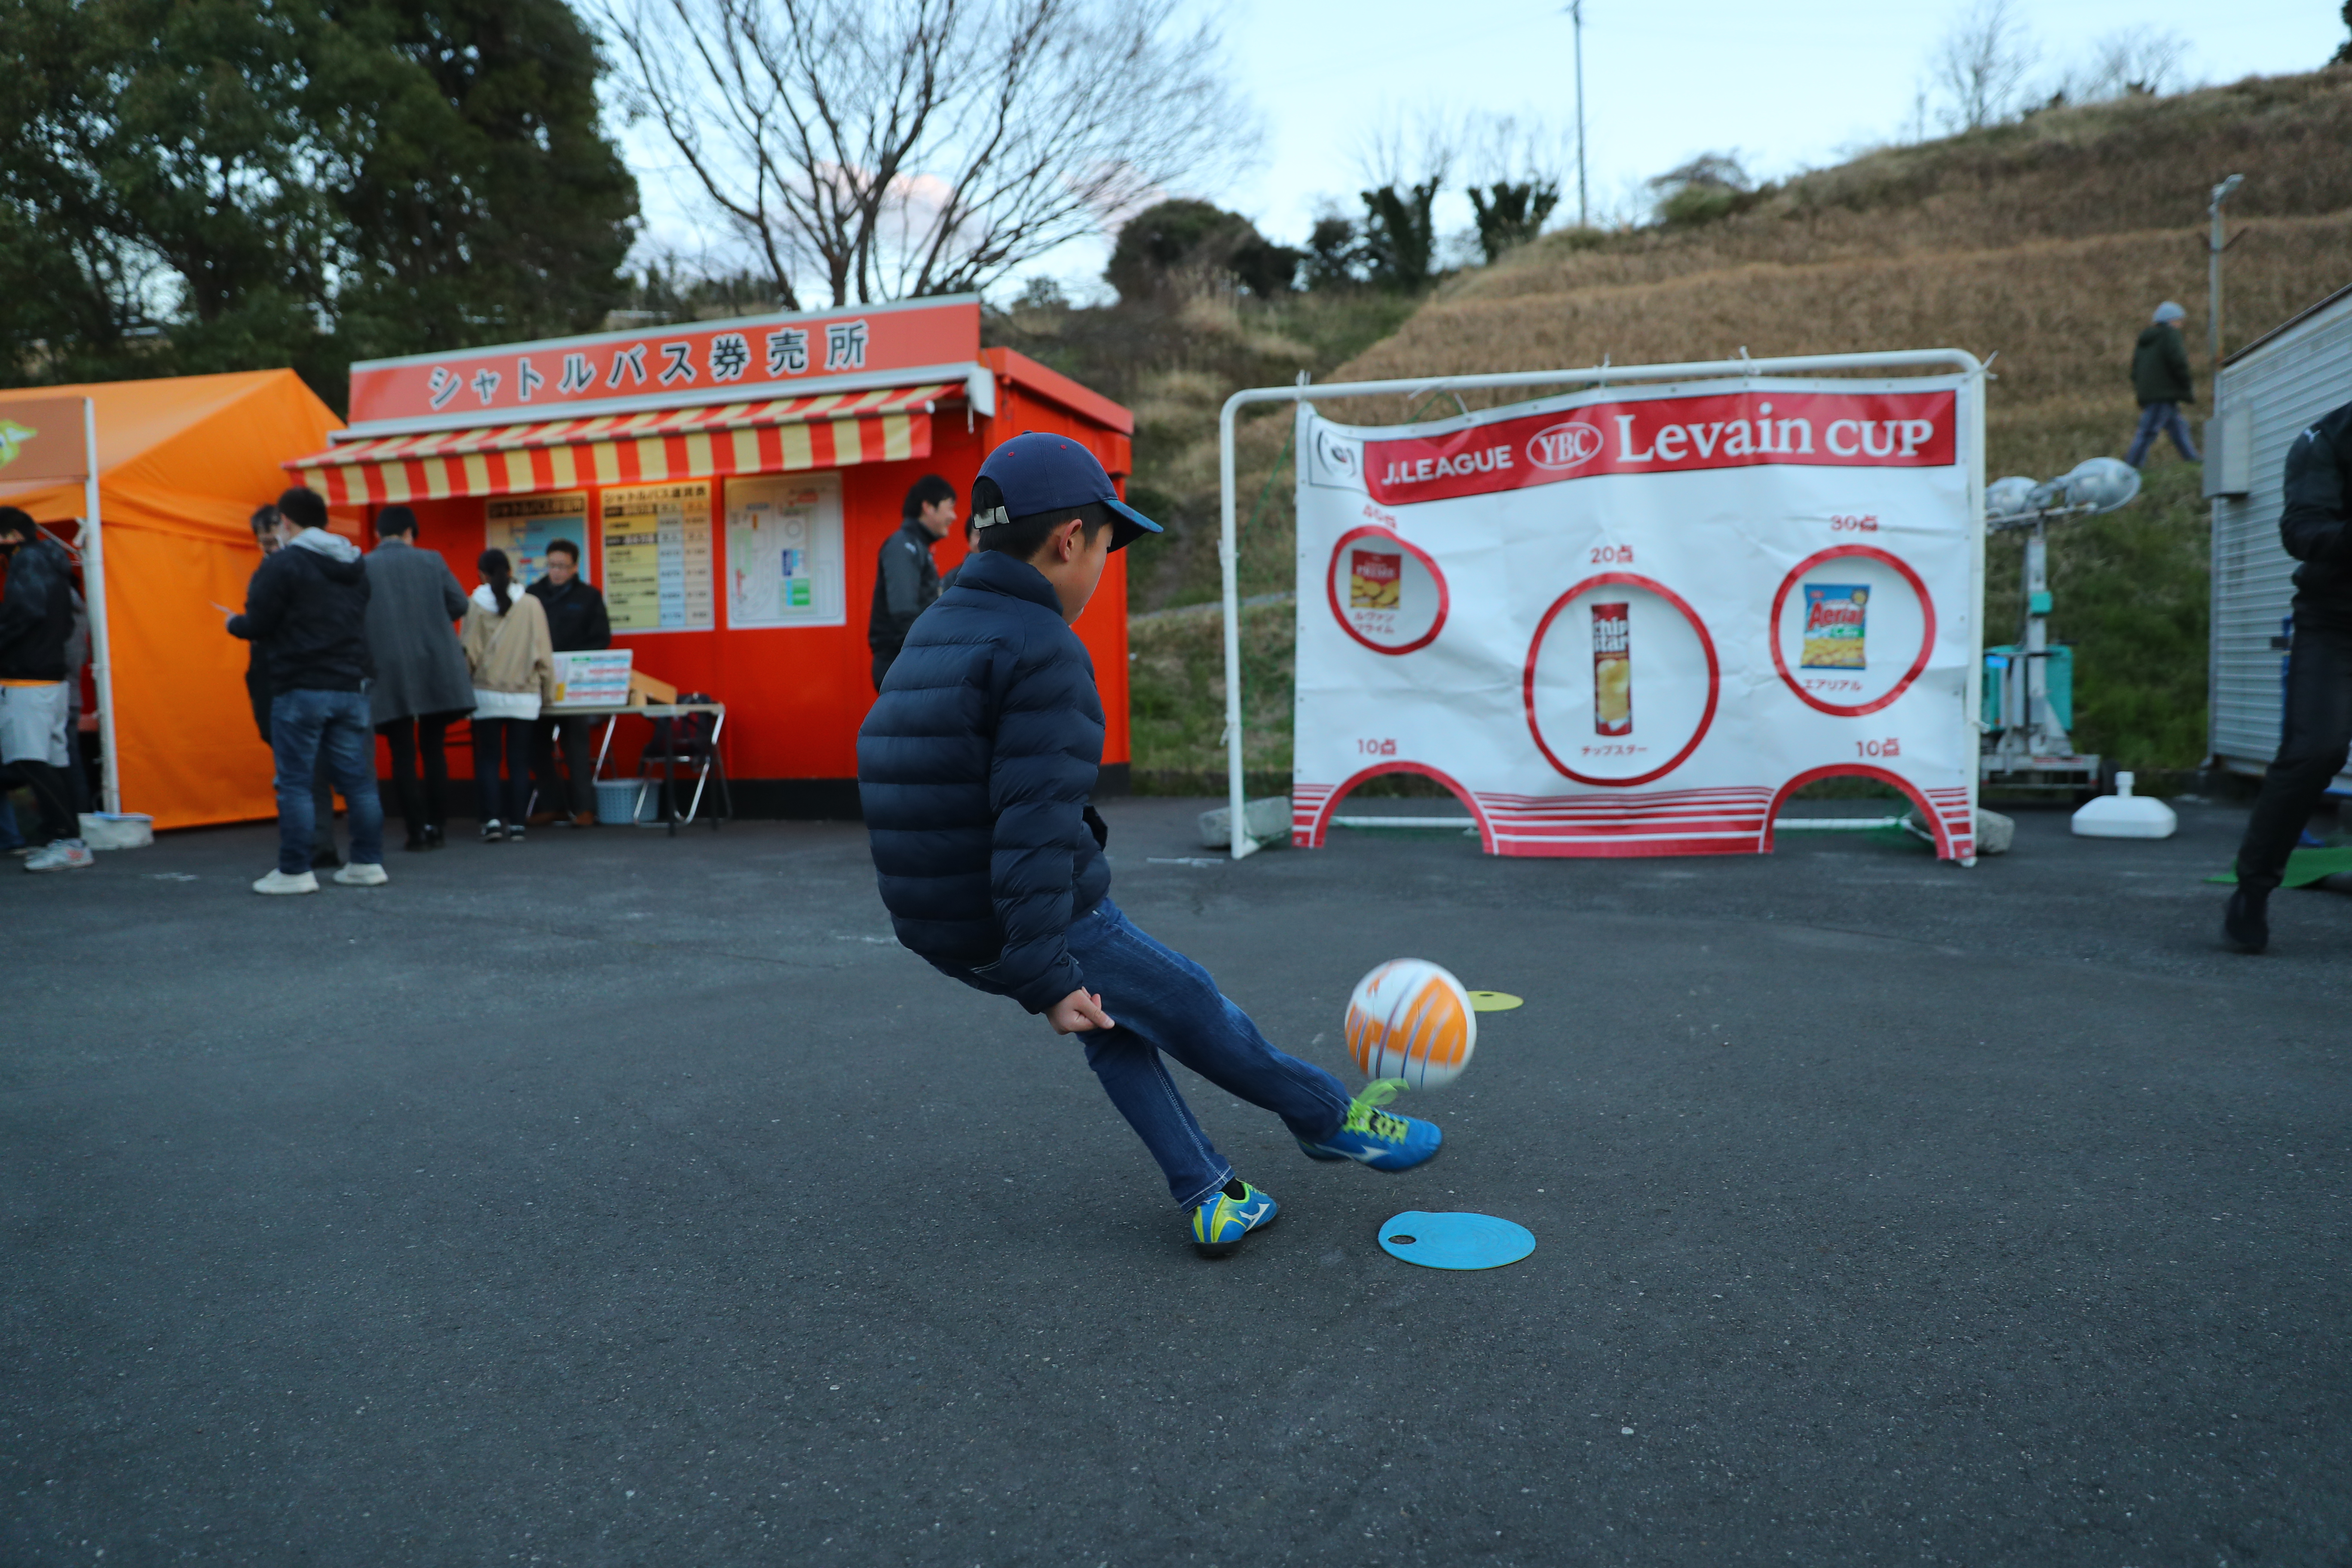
{"type": "Point", "coordinates": [975, 770]}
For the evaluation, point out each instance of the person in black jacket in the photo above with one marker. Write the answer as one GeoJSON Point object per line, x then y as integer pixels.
{"type": "Point", "coordinates": [576, 623]}
{"type": "Point", "coordinates": [2316, 736]}
{"type": "Point", "coordinates": [974, 771]}
{"type": "Point", "coordinates": [308, 607]}
{"type": "Point", "coordinates": [2160, 381]}
{"type": "Point", "coordinates": [35, 623]}
{"type": "Point", "coordinates": [906, 578]}
{"type": "Point", "coordinates": [323, 854]}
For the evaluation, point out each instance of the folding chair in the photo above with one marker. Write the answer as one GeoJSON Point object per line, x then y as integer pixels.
{"type": "Point", "coordinates": [691, 741]}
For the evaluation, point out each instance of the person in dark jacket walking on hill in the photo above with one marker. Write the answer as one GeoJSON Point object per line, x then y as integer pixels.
{"type": "Point", "coordinates": [308, 609]}
{"type": "Point", "coordinates": [2315, 738]}
{"type": "Point", "coordinates": [974, 771]}
{"type": "Point", "coordinates": [421, 685]}
{"type": "Point", "coordinates": [2160, 378]}
{"type": "Point", "coordinates": [906, 578]}
{"type": "Point", "coordinates": [576, 623]}
{"type": "Point", "coordinates": [35, 623]}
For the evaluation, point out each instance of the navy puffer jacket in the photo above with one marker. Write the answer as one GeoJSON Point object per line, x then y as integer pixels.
{"type": "Point", "coordinates": [974, 770]}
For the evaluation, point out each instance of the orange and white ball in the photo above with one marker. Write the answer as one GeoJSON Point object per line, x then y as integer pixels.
{"type": "Point", "coordinates": [1410, 1019]}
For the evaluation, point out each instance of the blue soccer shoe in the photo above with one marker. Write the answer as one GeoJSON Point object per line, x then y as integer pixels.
{"type": "Point", "coordinates": [1220, 1223]}
{"type": "Point", "coordinates": [1380, 1139]}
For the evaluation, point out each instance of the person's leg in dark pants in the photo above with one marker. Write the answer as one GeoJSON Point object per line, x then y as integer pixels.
{"type": "Point", "coordinates": [2177, 426]}
{"type": "Point", "coordinates": [400, 734]}
{"type": "Point", "coordinates": [297, 722]}
{"type": "Point", "coordinates": [53, 794]}
{"type": "Point", "coordinates": [433, 745]}
{"type": "Point", "coordinates": [544, 782]}
{"type": "Point", "coordinates": [1165, 1003]}
{"type": "Point", "coordinates": [2151, 421]}
{"type": "Point", "coordinates": [515, 737]}
{"type": "Point", "coordinates": [348, 742]}
{"type": "Point", "coordinates": [488, 793]}
{"type": "Point", "coordinates": [2315, 738]}
{"type": "Point", "coordinates": [882, 663]}
{"type": "Point", "coordinates": [322, 814]}
{"type": "Point", "coordinates": [573, 729]}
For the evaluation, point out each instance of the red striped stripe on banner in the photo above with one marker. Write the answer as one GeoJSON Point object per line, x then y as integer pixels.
{"type": "Point", "coordinates": [780, 435]}
{"type": "Point", "coordinates": [1726, 821]}
{"type": "Point", "coordinates": [1616, 826]}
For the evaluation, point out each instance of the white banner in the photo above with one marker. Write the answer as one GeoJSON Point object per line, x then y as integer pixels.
{"type": "Point", "coordinates": [1633, 622]}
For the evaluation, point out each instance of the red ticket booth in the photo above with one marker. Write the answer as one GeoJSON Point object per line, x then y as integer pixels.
{"type": "Point", "coordinates": [731, 484]}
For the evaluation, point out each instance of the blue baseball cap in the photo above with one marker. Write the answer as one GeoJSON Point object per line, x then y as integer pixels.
{"type": "Point", "coordinates": [1036, 472]}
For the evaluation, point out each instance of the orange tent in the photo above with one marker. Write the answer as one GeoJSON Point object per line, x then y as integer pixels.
{"type": "Point", "coordinates": [182, 464]}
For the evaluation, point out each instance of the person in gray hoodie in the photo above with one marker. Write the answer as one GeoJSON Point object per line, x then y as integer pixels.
{"type": "Point", "coordinates": [421, 686]}
{"type": "Point", "coordinates": [308, 607]}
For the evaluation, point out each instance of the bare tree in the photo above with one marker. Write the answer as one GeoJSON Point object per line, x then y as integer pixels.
{"type": "Point", "coordinates": [880, 149]}
{"type": "Point", "coordinates": [2134, 60]}
{"type": "Point", "coordinates": [1981, 66]}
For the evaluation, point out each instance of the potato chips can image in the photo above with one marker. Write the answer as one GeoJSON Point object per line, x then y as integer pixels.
{"type": "Point", "coordinates": [1833, 625]}
{"type": "Point", "coordinates": [1612, 669]}
{"type": "Point", "coordinates": [1374, 577]}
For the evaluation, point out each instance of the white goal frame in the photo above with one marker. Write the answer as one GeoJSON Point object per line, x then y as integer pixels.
{"type": "Point", "coordinates": [1971, 453]}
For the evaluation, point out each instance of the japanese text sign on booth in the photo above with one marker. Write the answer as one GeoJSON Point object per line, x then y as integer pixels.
{"type": "Point", "coordinates": [1633, 621]}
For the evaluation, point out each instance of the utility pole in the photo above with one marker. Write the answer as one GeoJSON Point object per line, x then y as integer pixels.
{"type": "Point", "coordinates": [1583, 207]}
{"type": "Point", "coordinates": [2214, 248]}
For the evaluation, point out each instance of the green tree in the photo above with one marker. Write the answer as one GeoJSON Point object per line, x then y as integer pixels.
{"type": "Point", "coordinates": [1512, 212]}
{"type": "Point", "coordinates": [1179, 245]}
{"type": "Point", "coordinates": [1400, 237]}
{"type": "Point", "coordinates": [195, 185]}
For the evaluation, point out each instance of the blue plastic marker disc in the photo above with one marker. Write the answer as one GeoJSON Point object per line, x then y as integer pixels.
{"type": "Point", "coordinates": [1455, 1241]}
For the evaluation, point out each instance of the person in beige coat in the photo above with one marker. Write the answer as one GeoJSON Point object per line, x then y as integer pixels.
{"type": "Point", "coordinates": [512, 658]}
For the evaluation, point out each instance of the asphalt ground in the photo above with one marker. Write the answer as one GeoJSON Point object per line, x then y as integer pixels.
{"type": "Point", "coordinates": [618, 1199]}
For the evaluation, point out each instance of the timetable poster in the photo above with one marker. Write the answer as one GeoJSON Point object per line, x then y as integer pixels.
{"type": "Point", "coordinates": [658, 557]}
{"type": "Point", "coordinates": [523, 526]}
{"type": "Point", "coordinates": [783, 552]}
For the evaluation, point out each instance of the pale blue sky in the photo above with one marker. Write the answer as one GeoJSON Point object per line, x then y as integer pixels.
{"type": "Point", "coordinates": [1786, 83]}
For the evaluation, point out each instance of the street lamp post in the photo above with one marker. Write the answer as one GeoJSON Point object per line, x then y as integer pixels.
{"type": "Point", "coordinates": [2214, 248]}
{"type": "Point", "coordinates": [1583, 207]}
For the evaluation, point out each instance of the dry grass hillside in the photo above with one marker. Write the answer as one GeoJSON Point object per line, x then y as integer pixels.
{"type": "Point", "coordinates": [2047, 241]}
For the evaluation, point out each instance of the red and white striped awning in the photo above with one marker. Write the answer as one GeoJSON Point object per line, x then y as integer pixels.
{"type": "Point", "coordinates": [776, 437]}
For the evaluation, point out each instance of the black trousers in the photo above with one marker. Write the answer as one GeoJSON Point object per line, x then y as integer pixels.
{"type": "Point", "coordinates": [883, 659]}
{"type": "Point", "coordinates": [2313, 745]}
{"type": "Point", "coordinates": [572, 730]}
{"type": "Point", "coordinates": [53, 795]}
{"type": "Point", "coordinates": [421, 737]}
{"type": "Point", "coordinates": [496, 739]}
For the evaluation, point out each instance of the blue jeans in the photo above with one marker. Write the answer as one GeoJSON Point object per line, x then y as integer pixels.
{"type": "Point", "coordinates": [2161, 420]}
{"type": "Point", "coordinates": [312, 728]}
{"type": "Point", "coordinates": [1166, 1004]}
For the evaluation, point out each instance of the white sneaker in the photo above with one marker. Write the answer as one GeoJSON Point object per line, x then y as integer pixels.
{"type": "Point", "coordinates": [362, 874]}
{"type": "Point", "coordinates": [65, 855]}
{"type": "Point", "coordinates": [280, 883]}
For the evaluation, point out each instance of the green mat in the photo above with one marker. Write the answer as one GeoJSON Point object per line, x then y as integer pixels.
{"type": "Point", "coordinates": [2303, 866]}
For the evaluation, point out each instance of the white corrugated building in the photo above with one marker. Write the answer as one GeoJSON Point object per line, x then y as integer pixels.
{"type": "Point", "coordinates": [2266, 394]}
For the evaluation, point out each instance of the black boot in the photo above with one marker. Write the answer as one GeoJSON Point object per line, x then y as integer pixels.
{"type": "Point", "coordinates": [2246, 924]}
{"type": "Point", "coordinates": [434, 838]}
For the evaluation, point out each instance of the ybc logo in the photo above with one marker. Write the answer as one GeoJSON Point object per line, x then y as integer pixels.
{"type": "Point", "coordinates": [1558, 446]}
{"type": "Point", "coordinates": [13, 437]}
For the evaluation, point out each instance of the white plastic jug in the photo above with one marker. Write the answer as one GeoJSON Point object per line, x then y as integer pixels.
{"type": "Point", "coordinates": [2124, 815]}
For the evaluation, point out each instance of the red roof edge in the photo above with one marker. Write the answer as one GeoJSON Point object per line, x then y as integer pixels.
{"type": "Point", "coordinates": [1053, 385]}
